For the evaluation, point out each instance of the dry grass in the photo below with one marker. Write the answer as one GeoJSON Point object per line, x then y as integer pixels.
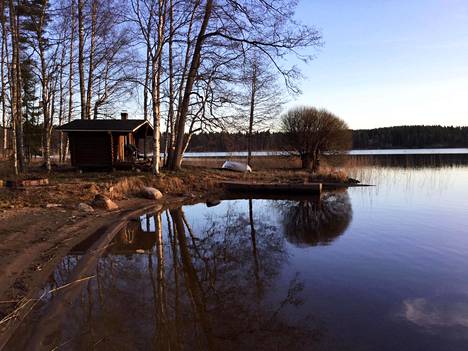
{"type": "Point", "coordinates": [198, 177]}
{"type": "Point", "coordinates": [258, 163]}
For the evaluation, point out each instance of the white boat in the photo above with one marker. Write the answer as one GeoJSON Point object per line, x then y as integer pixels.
{"type": "Point", "coordinates": [236, 166]}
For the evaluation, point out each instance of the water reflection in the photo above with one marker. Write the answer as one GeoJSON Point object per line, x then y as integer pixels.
{"type": "Point", "coordinates": [316, 221]}
{"type": "Point", "coordinates": [438, 314]}
{"type": "Point", "coordinates": [226, 277]}
{"type": "Point", "coordinates": [162, 284]}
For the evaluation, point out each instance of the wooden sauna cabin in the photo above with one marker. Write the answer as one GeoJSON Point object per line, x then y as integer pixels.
{"type": "Point", "coordinates": [108, 143]}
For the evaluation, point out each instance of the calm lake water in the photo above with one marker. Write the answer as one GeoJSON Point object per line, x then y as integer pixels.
{"type": "Point", "coordinates": [375, 268]}
{"type": "Point", "coordinates": [440, 151]}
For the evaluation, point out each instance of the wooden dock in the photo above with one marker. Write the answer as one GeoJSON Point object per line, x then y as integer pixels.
{"type": "Point", "coordinates": [288, 188]}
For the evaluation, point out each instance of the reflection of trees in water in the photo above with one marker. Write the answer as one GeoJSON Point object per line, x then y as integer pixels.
{"type": "Point", "coordinates": [227, 273]}
{"type": "Point", "coordinates": [315, 221]}
{"type": "Point", "coordinates": [210, 289]}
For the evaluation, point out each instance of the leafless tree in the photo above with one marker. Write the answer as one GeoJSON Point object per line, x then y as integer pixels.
{"type": "Point", "coordinates": [309, 132]}
{"type": "Point", "coordinates": [81, 53]}
{"type": "Point", "coordinates": [48, 56]}
{"type": "Point", "coordinates": [3, 81]}
{"type": "Point", "coordinates": [261, 99]}
{"type": "Point", "coordinates": [226, 29]}
{"type": "Point", "coordinates": [71, 70]}
{"type": "Point", "coordinates": [15, 91]}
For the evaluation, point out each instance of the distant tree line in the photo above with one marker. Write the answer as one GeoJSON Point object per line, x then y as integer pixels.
{"type": "Point", "coordinates": [380, 138]}
{"type": "Point", "coordinates": [410, 137]}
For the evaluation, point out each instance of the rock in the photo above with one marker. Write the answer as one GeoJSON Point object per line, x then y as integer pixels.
{"type": "Point", "coordinates": [85, 207]}
{"type": "Point", "coordinates": [151, 193]}
{"type": "Point", "coordinates": [53, 205]}
{"type": "Point", "coordinates": [104, 202]}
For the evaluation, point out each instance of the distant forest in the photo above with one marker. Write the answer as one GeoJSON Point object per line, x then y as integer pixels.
{"type": "Point", "coordinates": [410, 137]}
{"type": "Point", "coordinates": [379, 138]}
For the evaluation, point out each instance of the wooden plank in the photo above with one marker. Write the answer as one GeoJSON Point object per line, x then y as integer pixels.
{"type": "Point", "coordinates": [314, 188]}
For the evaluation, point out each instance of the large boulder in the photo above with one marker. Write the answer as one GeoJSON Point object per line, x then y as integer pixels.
{"type": "Point", "coordinates": [151, 193]}
{"type": "Point", "coordinates": [102, 201]}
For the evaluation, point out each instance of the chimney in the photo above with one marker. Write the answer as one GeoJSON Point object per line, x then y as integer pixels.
{"type": "Point", "coordinates": [124, 116]}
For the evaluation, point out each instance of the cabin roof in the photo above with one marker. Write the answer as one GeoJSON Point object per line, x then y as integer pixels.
{"type": "Point", "coordinates": [104, 125]}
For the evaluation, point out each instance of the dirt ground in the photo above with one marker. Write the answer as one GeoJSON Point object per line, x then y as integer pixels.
{"type": "Point", "coordinates": [39, 225]}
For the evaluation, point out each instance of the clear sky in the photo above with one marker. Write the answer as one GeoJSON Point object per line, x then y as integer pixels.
{"type": "Point", "coordinates": [389, 62]}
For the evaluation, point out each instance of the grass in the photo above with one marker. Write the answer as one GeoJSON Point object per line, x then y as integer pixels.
{"type": "Point", "coordinates": [258, 163]}
{"type": "Point", "coordinates": [198, 177]}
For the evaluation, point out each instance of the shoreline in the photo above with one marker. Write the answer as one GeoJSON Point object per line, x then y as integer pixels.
{"type": "Point", "coordinates": [40, 225]}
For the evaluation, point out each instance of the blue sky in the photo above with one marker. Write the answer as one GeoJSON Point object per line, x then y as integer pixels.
{"type": "Point", "coordinates": [387, 62]}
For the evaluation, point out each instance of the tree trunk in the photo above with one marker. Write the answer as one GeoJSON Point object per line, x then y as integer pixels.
{"type": "Point", "coordinates": [253, 91]}
{"type": "Point", "coordinates": [169, 142]}
{"type": "Point", "coordinates": [306, 161]}
{"type": "Point", "coordinates": [2, 72]}
{"type": "Point", "coordinates": [156, 89]}
{"type": "Point", "coordinates": [176, 161]}
{"type": "Point", "coordinates": [45, 90]}
{"type": "Point", "coordinates": [310, 161]}
{"type": "Point", "coordinates": [146, 86]}
{"type": "Point", "coordinates": [70, 75]}
{"type": "Point", "coordinates": [81, 57]}
{"type": "Point", "coordinates": [183, 77]}
{"type": "Point", "coordinates": [16, 92]}
{"type": "Point", "coordinates": [91, 59]}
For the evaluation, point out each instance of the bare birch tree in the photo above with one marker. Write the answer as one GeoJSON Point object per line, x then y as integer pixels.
{"type": "Point", "coordinates": [71, 70]}
{"type": "Point", "coordinates": [81, 53]}
{"type": "Point", "coordinates": [3, 82]}
{"type": "Point", "coordinates": [15, 91]}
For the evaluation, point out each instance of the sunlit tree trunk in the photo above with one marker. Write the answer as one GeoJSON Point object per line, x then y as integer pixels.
{"type": "Point", "coordinates": [147, 80]}
{"type": "Point", "coordinates": [2, 72]}
{"type": "Point", "coordinates": [81, 57]}
{"type": "Point", "coordinates": [169, 141]}
{"type": "Point", "coordinates": [91, 59]}
{"type": "Point", "coordinates": [70, 73]}
{"type": "Point", "coordinates": [44, 79]}
{"type": "Point", "coordinates": [15, 86]}
{"type": "Point", "coordinates": [175, 162]}
{"type": "Point", "coordinates": [156, 87]}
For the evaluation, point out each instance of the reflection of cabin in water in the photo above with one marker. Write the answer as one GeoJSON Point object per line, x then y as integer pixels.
{"type": "Point", "coordinates": [109, 143]}
{"type": "Point", "coordinates": [138, 234]}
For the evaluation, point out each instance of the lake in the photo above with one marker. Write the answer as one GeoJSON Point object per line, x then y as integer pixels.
{"type": "Point", "coordinates": [372, 268]}
{"type": "Point", "coordinates": [440, 151]}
